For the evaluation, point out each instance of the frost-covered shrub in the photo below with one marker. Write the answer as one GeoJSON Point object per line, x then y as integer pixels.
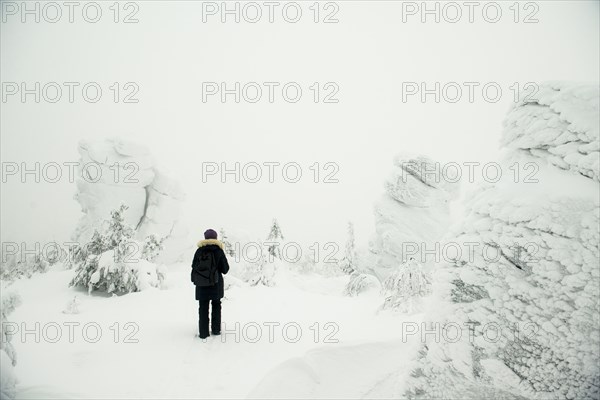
{"type": "Point", "coordinates": [227, 246]}
{"type": "Point", "coordinates": [328, 269]}
{"type": "Point", "coordinates": [255, 274]}
{"type": "Point", "coordinates": [260, 271]}
{"type": "Point", "coordinates": [8, 267]}
{"type": "Point", "coordinates": [404, 289]}
{"type": "Point", "coordinates": [8, 303]}
{"type": "Point", "coordinates": [152, 248]}
{"type": "Point", "coordinates": [13, 269]}
{"type": "Point", "coordinates": [109, 262]}
{"type": "Point", "coordinates": [359, 283]}
{"type": "Point", "coordinates": [8, 356]}
{"type": "Point", "coordinates": [72, 306]}
{"type": "Point", "coordinates": [307, 263]}
{"type": "Point", "coordinates": [312, 261]}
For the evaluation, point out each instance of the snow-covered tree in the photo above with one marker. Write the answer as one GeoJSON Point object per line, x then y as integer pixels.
{"type": "Point", "coordinates": [259, 271]}
{"type": "Point", "coordinates": [12, 268]}
{"type": "Point", "coordinates": [227, 246]}
{"type": "Point", "coordinates": [54, 254]}
{"type": "Point", "coordinates": [307, 262]}
{"type": "Point", "coordinates": [274, 239]}
{"type": "Point", "coordinates": [404, 289]}
{"type": "Point", "coordinates": [320, 260]}
{"type": "Point", "coordinates": [360, 282]}
{"type": "Point", "coordinates": [348, 262]}
{"type": "Point", "coordinates": [39, 264]}
{"type": "Point", "coordinates": [109, 261]}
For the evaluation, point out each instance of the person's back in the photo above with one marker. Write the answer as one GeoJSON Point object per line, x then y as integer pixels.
{"type": "Point", "coordinates": [212, 249]}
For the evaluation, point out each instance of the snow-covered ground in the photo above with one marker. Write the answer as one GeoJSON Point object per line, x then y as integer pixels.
{"type": "Point", "coordinates": [352, 351]}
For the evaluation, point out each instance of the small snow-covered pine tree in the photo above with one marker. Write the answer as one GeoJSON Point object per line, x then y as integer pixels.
{"type": "Point", "coordinates": [404, 289]}
{"type": "Point", "coordinates": [259, 271]}
{"type": "Point", "coordinates": [348, 262]}
{"type": "Point", "coordinates": [227, 246]}
{"type": "Point", "coordinates": [274, 239]}
{"type": "Point", "coordinates": [39, 264]}
{"type": "Point", "coordinates": [119, 235]}
{"type": "Point", "coordinates": [307, 262]}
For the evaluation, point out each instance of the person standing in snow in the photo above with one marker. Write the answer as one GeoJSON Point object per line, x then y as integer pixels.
{"type": "Point", "coordinates": [208, 267]}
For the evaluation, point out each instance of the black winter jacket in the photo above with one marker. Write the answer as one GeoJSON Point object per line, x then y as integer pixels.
{"type": "Point", "coordinates": [216, 247]}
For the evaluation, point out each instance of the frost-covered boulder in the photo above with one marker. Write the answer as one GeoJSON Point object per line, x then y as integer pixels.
{"type": "Point", "coordinates": [115, 171]}
{"type": "Point", "coordinates": [526, 290]}
{"type": "Point", "coordinates": [413, 212]}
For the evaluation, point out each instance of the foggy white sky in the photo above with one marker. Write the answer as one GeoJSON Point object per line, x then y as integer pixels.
{"type": "Point", "coordinates": [369, 53]}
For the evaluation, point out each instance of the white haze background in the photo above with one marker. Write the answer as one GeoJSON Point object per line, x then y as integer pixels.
{"type": "Point", "coordinates": [369, 53]}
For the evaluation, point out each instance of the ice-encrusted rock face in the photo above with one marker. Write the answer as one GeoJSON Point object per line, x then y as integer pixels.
{"type": "Point", "coordinates": [560, 125]}
{"type": "Point", "coordinates": [418, 181]}
{"type": "Point", "coordinates": [412, 212]}
{"type": "Point", "coordinates": [115, 171]}
{"type": "Point", "coordinates": [528, 296]}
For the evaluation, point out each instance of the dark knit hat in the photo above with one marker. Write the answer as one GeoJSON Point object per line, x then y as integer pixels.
{"type": "Point", "coordinates": [210, 234]}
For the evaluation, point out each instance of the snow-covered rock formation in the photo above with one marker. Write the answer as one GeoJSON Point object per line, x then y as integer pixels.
{"type": "Point", "coordinates": [114, 171]}
{"type": "Point", "coordinates": [561, 126]}
{"type": "Point", "coordinates": [413, 213]}
{"type": "Point", "coordinates": [527, 295]}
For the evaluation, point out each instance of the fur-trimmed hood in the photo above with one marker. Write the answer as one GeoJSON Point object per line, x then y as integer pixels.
{"type": "Point", "coordinates": [207, 242]}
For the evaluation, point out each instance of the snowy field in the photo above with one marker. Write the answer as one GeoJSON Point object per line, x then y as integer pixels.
{"type": "Point", "coordinates": [159, 356]}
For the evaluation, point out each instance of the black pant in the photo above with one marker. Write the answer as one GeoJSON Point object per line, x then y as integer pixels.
{"type": "Point", "coordinates": [203, 317]}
